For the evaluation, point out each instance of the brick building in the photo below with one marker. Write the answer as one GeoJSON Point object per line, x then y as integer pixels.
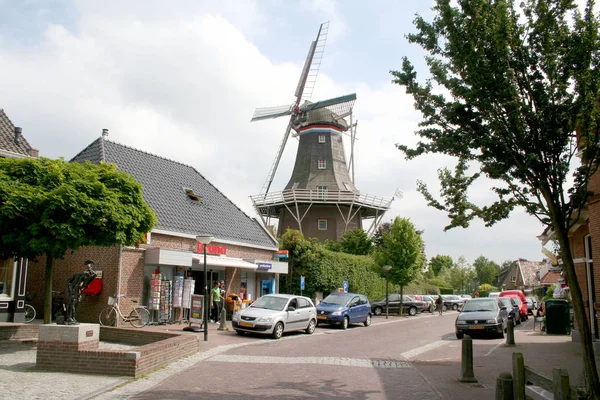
{"type": "Point", "coordinates": [13, 272]}
{"type": "Point", "coordinates": [186, 205]}
{"type": "Point", "coordinates": [521, 274]}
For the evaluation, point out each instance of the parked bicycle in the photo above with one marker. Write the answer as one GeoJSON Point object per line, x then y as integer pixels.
{"type": "Point", "coordinates": [138, 317]}
{"type": "Point", "coordinates": [29, 310]}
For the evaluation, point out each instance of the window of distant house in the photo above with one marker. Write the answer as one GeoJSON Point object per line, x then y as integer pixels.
{"type": "Point", "coordinates": [322, 224]}
{"type": "Point", "coordinates": [322, 192]}
{"type": "Point", "coordinates": [7, 272]}
{"type": "Point", "coordinates": [322, 164]}
{"type": "Point", "coordinates": [321, 138]}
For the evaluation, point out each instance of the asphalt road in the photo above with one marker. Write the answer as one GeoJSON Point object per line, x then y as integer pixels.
{"type": "Point", "coordinates": [376, 362]}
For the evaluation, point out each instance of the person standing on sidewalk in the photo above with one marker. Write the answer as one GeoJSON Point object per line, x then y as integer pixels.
{"type": "Point", "coordinates": [439, 302]}
{"type": "Point", "coordinates": [215, 298]}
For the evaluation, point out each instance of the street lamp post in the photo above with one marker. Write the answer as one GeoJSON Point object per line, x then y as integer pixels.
{"type": "Point", "coordinates": [387, 268]}
{"type": "Point", "coordinates": [204, 239]}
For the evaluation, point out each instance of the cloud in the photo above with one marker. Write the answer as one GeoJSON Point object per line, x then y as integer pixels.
{"type": "Point", "coordinates": [183, 83]}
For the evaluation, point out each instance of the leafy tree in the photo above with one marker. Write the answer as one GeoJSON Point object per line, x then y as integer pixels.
{"type": "Point", "coordinates": [519, 99]}
{"type": "Point", "coordinates": [402, 249]}
{"type": "Point", "coordinates": [381, 230]}
{"type": "Point", "coordinates": [49, 207]}
{"type": "Point", "coordinates": [461, 275]}
{"type": "Point", "coordinates": [507, 264]}
{"type": "Point", "coordinates": [486, 270]}
{"type": "Point", "coordinates": [439, 263]}
{"type": "Point", "coordinates": [354, 241]}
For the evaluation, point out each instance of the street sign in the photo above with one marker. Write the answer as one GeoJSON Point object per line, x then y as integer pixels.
{"type": "Point", "coordinates": [301, 282]}
{"type": "Point", "coordinates": [345, 286]}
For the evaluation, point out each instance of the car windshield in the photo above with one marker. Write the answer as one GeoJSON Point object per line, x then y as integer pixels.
{"type": "Point", "coordinates": [517, 300]}
{"type": "Point", "coordinates": [506, 302]}
{"type": "Point", "coordinates": [480, 305]}
{"type": "Point", "coordinates": [337, 299]}
{"type": "Point", "coordinates": [270, 303]}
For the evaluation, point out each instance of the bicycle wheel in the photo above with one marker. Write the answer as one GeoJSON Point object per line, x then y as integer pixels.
{"type": "Point", "coordinates": [108, 317]}
{"type": "Point", "coordinates": [29, 313]}
{"type": "Point", "coordinates": [139, 317]}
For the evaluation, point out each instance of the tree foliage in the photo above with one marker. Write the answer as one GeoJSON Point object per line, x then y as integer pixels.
{"type": "Point", "coordinates": [520, 84]}
{"type": "Point", "coordinates": [381, 230]}
{"type": "Point", "coordinates": [486, 270]}
{"type": "Point", "coordinates": [49, 207]}
{"type": "Point", "coordinates": [439, 263]}
{"type": "Point", "coordinates": [461, 276]}
{"type": "Point", "coordinates": [354, 241]}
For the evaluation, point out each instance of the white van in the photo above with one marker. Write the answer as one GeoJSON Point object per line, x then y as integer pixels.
{"type": "Point", "coordinates": [494, 294]}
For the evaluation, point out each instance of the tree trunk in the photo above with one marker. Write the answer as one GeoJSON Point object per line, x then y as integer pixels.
{"type": "Point", "coordinates": [589, 361]}
{"type": "Point", "coordinates": [48, 289]}
{"type": "Point", "coordinates": [401, 309]}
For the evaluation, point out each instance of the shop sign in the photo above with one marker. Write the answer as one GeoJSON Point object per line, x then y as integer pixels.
{"type": "Point", "coordinates": [264, 266]}
{"type": "Point", "coordinates": [196, 310]}
{"type": "Point", "coordinates": [211, 249]}
{"type": "Point", "coordinates": [282, 254]}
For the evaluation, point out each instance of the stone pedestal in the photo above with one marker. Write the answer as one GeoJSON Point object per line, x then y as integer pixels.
{"type": "Point", "coordinates": [59, 343]}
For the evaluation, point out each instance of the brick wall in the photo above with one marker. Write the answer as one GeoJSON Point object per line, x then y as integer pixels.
{"type": "Point", "coordinates": [106, 259]}
{"type": "Point", "coordinates": [10, 331]}
{"type": "Point", "coordinates": [161, 350]}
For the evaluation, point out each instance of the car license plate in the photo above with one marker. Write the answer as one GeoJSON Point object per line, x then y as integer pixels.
{"type": "Point", "coordinates": [476, 327]}
{"type": "Point", "coordinates": [321, 316]}
{"type": "Point", "coordinates": [246, 323]}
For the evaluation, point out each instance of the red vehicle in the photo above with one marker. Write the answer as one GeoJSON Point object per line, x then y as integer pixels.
{"type": "Point", "coordinates": [519, 297]}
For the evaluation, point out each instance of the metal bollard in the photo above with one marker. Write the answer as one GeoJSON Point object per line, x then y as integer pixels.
{"type": "Point", "coordinates": [510, 333]}
{"type": "Point", "coordinates": [467, 360]}
{"type": "Point", "coordinates": [504, 386]}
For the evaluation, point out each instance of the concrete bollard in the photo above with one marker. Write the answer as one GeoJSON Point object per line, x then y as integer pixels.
{"type": "Point", "coordinates": [467, 374]}
{"type": "Point", "coordinates": [518, 376]}
{"type": "Point", "coordinates": [504, 386]}
{"type": "Point", "coordinates": [510, 333]}
{"type": "Point", "coordinates": [223, 320]}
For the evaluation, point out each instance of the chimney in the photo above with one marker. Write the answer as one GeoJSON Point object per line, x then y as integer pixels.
{"type": "Point", "coordinates": [18, 131]}
{"type": "Point", "coordinates": [104, 132]}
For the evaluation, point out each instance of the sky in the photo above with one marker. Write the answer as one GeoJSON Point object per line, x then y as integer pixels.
{"type": "Point", "coordinates": [182, 79]}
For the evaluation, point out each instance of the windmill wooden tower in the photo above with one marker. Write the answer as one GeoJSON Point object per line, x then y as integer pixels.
{"type": "Point", "coordinates": [320, 199]}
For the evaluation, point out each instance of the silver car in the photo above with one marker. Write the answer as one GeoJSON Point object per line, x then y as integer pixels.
{"type": "Point", "coordinates": [482, 315]}
{"type": "Point", "coordinates": [274, 314]}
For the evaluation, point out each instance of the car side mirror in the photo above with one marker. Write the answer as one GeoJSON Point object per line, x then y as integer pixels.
{"type": "Point", "coordinates": [503, 308]}
{"type": "Point", "coordinates": [291, 308]}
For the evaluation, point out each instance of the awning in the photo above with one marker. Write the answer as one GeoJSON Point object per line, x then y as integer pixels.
{"type": "Point", "coordinates": [218, 261]}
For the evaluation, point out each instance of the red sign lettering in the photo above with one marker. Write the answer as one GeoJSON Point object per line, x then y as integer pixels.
{"type": "Point", "coordinates": [212, 249]}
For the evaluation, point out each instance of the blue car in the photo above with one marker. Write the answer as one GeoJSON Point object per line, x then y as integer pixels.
{"type": "Point", "coordinates": [343, 309]}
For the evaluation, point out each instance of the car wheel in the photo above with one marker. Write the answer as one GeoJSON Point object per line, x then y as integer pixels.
{"type": "Point", "coordinates": [517, 321]}
{"type": "Point", "coordinates": [431, 309]}
{"type": "Point", "coordinates": [311, 327]}
{"type": "Point", "coordinates": [345, 323]}
{"type": "Point", "coordinates": [455, 307]}
{"type": "Point", "coordinates": [501, 334]}
{"type": "Point", "coordinates": [460, 335]}
{"type": "Point", "coordinates": [368, 320]}
{"type": "Point", "coordinates": [378, 311]}
{"type": "Point", "coordinates": [242, 333]}
{"type": "Point", "coordinates": [277, 331]}
{"type": "Point", "coordinates": [444, 308]}
{"type": "Point", "coordinates": [412, 311]}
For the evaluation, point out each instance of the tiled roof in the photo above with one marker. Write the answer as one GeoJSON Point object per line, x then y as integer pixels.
{"type": "Point", "coordinates": [529, 270]}
{"type": "Point", "coordinates": [163, 182]}
{"type": "Point", "coordinates": [551, 277]}
{"type": "Point", "coordinates": [7, 138]}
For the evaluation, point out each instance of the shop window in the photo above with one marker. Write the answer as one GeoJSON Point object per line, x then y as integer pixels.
{"type": "Point", "coordinates": [322, 224]}
{"type": "Point", "coordinates": [7, 272]}
{"type": "Point", "coordinates": [322, 164]}
{"type": "Point", "coordinates": [321, 138]}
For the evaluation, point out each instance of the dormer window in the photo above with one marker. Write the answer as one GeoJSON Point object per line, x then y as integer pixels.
{"type": "Point", "coordinates": [190, 193]}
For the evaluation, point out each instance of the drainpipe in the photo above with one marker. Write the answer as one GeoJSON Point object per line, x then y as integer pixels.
{"type": "Point", "coordinates": [120, 268]}
{"type": "Point", "coordinates": [591, 299]}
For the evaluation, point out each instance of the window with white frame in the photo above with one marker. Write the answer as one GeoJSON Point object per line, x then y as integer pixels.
{"type": "Point", "coordinates": [322, 224]}
{"type": "Point", "coordinates": [322, 192]}
{"type": "Point", "coordinates": [322, 164]}
{"type": "Point", "coordinates": [321, 138]}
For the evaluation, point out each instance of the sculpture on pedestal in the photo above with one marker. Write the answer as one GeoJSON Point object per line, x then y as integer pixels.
{"type": "Point", "coordinates": [75, 286]}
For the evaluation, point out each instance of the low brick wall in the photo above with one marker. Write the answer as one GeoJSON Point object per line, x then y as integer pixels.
{"type": "Point", "coordinates": [58, 351]}
{"type": "Point", "coordinates": [10, 331]}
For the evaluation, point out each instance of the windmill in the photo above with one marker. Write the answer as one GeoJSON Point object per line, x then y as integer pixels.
{"type": "Point", "coordinates": [320, 199]}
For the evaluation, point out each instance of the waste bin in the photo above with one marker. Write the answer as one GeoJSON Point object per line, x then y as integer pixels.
{"type": "Point", "coordinates": [558, 317]}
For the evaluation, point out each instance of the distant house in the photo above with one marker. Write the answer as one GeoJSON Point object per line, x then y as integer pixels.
{"type": "Point", "coordinates": [13, 272]}
{"type": "Point", "coordinates": [521, 274]}
{"type": "Point", "coordinates": [187, 205]}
